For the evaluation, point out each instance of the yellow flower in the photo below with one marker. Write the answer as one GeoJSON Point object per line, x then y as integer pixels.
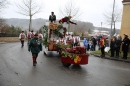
{"type": "Point", "coordinates": [77, 59]}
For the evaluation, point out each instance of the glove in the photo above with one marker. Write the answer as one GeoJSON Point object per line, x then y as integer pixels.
{"type": "Point", "coordinates": [75, 24]}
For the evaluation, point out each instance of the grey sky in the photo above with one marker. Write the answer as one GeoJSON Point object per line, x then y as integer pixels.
{"type": "Point", "coordinates": [92, 10]}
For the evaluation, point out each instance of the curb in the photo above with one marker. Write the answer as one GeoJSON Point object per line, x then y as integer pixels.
{"type": "Point", "coordinates": [112, 58]}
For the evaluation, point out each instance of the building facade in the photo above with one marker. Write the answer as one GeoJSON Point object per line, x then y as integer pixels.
{"type": "Point", "coordinates": [125, 24]}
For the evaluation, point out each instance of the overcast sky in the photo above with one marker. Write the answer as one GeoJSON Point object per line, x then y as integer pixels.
{"type": "Point", "coordinates": [92, 10]}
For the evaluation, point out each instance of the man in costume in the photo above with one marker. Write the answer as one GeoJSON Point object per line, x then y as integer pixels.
{"type": "Point", "coordinates": [67, 20]}
{"type": "Point", "coordinates": [22, 37]}
{"type": "Point", "coordinates": [35, 46]}
{"type": "Point", "coordinates": [52, 17]}
{"type": "Point", "coordinates": [29, 36]}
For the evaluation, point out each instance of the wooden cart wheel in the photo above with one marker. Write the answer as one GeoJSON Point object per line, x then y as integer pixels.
{"type": "Point", "coordinates": [66, 64]}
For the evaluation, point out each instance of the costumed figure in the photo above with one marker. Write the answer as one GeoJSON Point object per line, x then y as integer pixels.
{"type": "Point", "coordinates": [35, 46]}
{"type": "Point", "coordinates": [22, 37]}
{"type": "Point", "coordinates": [52, 17]}
{"type": "Point", "coordinates": [67, 20]}
{"type": "Point", "coordinates": [29, 36]}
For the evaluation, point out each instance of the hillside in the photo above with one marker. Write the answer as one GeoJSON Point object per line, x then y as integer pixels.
{"type": "Point", "coordinates": [38, 23]}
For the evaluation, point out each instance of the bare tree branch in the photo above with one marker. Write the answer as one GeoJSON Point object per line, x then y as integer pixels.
{"type": "Point", "coordinates": [29, 8]}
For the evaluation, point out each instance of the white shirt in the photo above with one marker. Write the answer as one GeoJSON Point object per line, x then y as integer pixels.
{"type": "Point", "coordinates": [22, 34]}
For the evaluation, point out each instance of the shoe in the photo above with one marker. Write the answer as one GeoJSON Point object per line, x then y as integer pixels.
{"type": "Point", "coordinates": [34, 63]}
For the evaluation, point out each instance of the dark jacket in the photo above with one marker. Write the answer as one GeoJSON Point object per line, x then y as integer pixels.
{"type": "Point", "coordinates": [125, 44]}
{"type": "Point", "coordinates": [35, 45]}
{"type": "Point", "coordinates": [112, 45]}
{"type": "Point", "coordinates": [118, 44]}
{"type": "Point", "coordinates": [52, 18]}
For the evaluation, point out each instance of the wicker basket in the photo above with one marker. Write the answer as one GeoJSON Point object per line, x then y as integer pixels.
{"type": "Point", "coordinates": [53, 26]}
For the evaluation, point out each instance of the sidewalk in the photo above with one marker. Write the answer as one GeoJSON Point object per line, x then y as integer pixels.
{"type": "Point", "coordinates": [113, 58]}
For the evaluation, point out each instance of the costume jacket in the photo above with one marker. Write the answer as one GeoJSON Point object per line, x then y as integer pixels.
{"type": "Point", "coordinates": [52, 18]}
{"type": "Point", "coordinates": [66, 19]}
{"type": "Point", "coordinates": [35, 45]}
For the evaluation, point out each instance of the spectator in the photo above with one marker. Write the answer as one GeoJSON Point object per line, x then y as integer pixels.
{"type": "Point", "coordinates": [102, 47]}
{"type": "Point", "coordinates": [117, 46]}
{"type": "Point", "coordinates": [94, 43]}
{"type": "Point", "coordinates": [125, 46]}
{"type": "Point", "coordinates": [113, 46]}
{"type": "Point", "coordinates": [86, 44]}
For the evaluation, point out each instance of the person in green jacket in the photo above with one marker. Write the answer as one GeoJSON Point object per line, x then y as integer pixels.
{"type": "Point", "coordinates": [35, 46]}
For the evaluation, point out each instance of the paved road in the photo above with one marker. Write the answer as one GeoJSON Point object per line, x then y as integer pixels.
{"type": "Point", "coordinates": [16, 69]}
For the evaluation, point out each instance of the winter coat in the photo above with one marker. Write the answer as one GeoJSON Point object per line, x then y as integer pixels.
{"type": "Point", "coordinates": [85, 43]}
{"type": "Point", "coordinates": [35, 45]}
{"type": "Point", "coordinates": [118, 44]}
{"type": "Point", "coordinates": [125, 44]}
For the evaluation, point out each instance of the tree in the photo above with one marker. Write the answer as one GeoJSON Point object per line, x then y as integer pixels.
{"type": "Point", "coordinates": [29, 8]}
{"type": "Point", "coordinates": [70, 9]}
{"type": "Point", "coordinates": [3, 4]}
{"type": "Point", "coordinates": [117, 15]}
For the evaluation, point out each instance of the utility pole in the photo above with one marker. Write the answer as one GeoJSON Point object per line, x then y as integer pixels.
{"type": "Point", "coordinates": [101, 28]}
{"type": "Point", "coordinates": [112, 19]}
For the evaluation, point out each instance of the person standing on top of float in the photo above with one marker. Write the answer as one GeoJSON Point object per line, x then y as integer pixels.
{"type": "Point", "coordinates": [35, 46]}
{"type": "Point", "coordinates": [67, 20]}
{"type": "Point", "coordinates": [22, 37]}
{"type": "Point", "coordinates": [52, 17]}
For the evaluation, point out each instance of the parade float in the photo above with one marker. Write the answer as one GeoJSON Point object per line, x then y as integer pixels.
{"type": "Point", "coordinates": [68, 54]}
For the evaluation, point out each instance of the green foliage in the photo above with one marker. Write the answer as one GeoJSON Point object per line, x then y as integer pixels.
{"type": "Point", "coordinates": [10, 31]}
{"type": "Point", "coordinates": [56, 32]}
{"type": "Point", "coordinates": [45, 38]}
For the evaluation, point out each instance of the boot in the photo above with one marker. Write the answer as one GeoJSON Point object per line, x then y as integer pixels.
{"type": "Point", "coordinates": [34, 63]}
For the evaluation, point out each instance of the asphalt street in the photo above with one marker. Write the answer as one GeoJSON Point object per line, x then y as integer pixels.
{"type": "Point", "coordinates": [16, 69]}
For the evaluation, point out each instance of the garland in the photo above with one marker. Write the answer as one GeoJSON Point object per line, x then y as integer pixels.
{"type": "Point", "coordinates": [56, 32]}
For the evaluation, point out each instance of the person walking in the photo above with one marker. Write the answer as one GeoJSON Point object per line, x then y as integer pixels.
{"type": "Point", "coordinates": [35, 46]}
{"type": "Point", "coordinates": [22, 37]}
{"type": "Point", "coordinates": [29, 36]}
{"type": "Point", "coordinates": [125, 46]}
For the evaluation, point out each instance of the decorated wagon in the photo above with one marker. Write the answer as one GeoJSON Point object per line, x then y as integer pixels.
{"type": "Point", "coordinates": [68, 54]}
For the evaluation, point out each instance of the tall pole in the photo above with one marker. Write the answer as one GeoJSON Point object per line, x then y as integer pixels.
{"type": "Point", "coordinates": [112, 19]}
{"type": "Point", "coordinates": [101, 28]}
